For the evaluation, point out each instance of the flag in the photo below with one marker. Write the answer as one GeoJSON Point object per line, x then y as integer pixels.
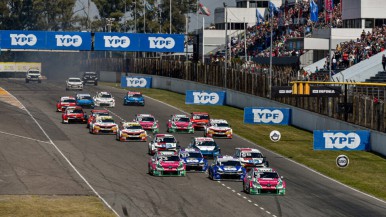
{"type": "Point", "coordinates": [259, 17]}
{"type": "Point", "coordinates": [314, 11]}
{"type": "Point", "coordinates": [272, 8]}
{"type": "Point", "coordinates": [329, 6]}
{"type": "Point", "coordinates": [203, 10]}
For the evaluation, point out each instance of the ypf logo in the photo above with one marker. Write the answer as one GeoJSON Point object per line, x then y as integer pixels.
{"type": "Point", "coordinates": [136, 82]}
{"type": "Point", "coordinates": [160, 42]}
{"type": "Point", "coordinates": [21, 39]}
{"type": "Point", "coordinates": [341, 140]}
{"type": "Point", "coordinates": [115, 41]}
{"type": "Point", "coordinates": [68, 40]}
{"type": "Point", "coordinates": [204, 98]}
{"type": "Point", "coordinates": [267, 116]}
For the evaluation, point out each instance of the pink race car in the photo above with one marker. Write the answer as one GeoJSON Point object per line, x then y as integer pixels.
{"type": "Point", "coordinates": [166, 163]}
{"type": "Point", "coordinates": [147, 121]}
{"type": "Point", "coordinates": [180, 123]}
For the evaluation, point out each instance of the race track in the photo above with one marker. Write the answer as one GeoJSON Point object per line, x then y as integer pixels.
{"type": "Point", "coordinates": [118, 171]}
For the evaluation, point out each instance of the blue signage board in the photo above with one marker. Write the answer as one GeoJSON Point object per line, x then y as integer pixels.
{"type": "Point", "coordinates": [11, 39]}
{"type": "Point", "coordinates": [117, 41]}
{"type": "Point", "coordinates": [162, 42]}
{"type": "Point", "coordinates": [199, 97]}
{"type": "Point", "coordinates": [262, 115]}
{"type": "Point", "coordinates": [136, 81]}
{"type": "Point", "coordinates": [68, 41]}
{"type": "Point", "coordinates": [358, 140]}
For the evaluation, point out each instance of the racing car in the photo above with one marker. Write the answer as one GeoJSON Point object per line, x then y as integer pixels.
{"type": "Point", "coordinates": [94, 114]}
{"type": "Point", "coordinates": [134, 98]}
{"type": "Point", "coordinates": [74, 114]}
{"type": "Point", "coordinates": [103, 124]}
{"type": "Point", "coordinates": [147, 121]}
{"type": "Point", "coordinates": [261, 180]}
{"type": "Point", "coordinates": [64, 102]}
{"type": "Point", "coordinates": [162, 142]}
{"type": "Point", "coordinates": [85, 100]}
{"type": "Point", "coordinates": [131, 131]}
{"type": "Point", "coordinates": [104, 99]}
{"type": "Point", "coordinates": [218, 128]}
{"type": "Point", "coordinates": [199, 120]}
{"type": "Point", "coordinates": [226, 167]}
{"type": "Point", "coordinates": [251, 157]}
{"type": "Point", "coordinates": [206, 145]}
{"type": "Point", "coordinates": [194, 160]}
{"type": "Point", "coordinates": [179, 123]}
{"type": "Point", "coordinates": [166, 163]}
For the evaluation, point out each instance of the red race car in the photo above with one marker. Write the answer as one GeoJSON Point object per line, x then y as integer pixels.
{"type": "Point", "coordinates": [199, 120]}
{"type": "Point", "coordinates": [74, 114]}
{"type": "Point", "coordinates": [95, 113]}
{"type": "Point", "coordinates": [64, 102]}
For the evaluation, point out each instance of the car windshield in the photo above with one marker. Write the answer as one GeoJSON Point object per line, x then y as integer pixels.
{"type": "Point", "coordinates": [267, 175]}
{"type": "Point", "coordinates": [201, 117]}
{"type": "Point", "coordinates": [133, 127]}
{"type": "Point", "coordinates": [69, 100]}
{"type": "Point", "coordinates": [166, 139]}
{"type": "Point", "coordinates": [135, 95]}
{"type": "Point", "coordinates": [84, 97]}
{"type": "Point", "coordinates": [230, 163]}
{"type": "Point", "coordinates": [102, 114]}
{"type": "Point", "coordinates": [90, 73]}
{"type": "Point", "coordinates": [221, 125]}
{"type": "Point", "coordinates": [206, 143]}
{"type": "Point", "coordinates": [107, 120]}
{"type": "Point", "coordinates": [182, 119]}
{"type": "Point", "coordinates": [34, 72]}
{"type": "Point", "coordinates": [74, 80]}
{"type": "Point", "coordinates": [191, 154]}
{"type": "Point", "coordinates": [75, 111]}
{"type": "Point", "coordinates": [169, 158]}
{"type": "Point", "coordinates": [146, 119]}
{"type": "Point", "coordinates": [106, 96]}
{"type": "Point", "coordinates": [251, 155]}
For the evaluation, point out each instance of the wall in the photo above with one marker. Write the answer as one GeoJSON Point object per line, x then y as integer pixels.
{"type": "Point", "coordinates": [300, 118]}
{"type": "Point", "coordinates": [108, 76]}
{"type": "Point", "coordinates": [355, 9]}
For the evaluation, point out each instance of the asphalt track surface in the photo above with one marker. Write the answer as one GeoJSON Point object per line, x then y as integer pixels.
{"type": "Point", "coordinates": [118, 170]}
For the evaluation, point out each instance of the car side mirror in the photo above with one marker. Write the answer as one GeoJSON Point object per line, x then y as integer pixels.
{"type": "Point", "coordinates": [282, 177]}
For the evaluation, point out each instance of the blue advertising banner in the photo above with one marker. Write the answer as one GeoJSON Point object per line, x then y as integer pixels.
{"type": "Point", "coordinates": [68, 41]}
{"type": "Point", "coordinates": [136, 81]}
{"type": "Point", "coordinates": [117, 41]}
{"type": "Point", "coordinates": [162, 42]}
{"type": "Point", "coordinates": [200, 97]}
{"type": "Point", "coordinates": [261, 115]}
{"type": "Point", "coordinates": [11, 39]}
{"type": "Point", "coordinates": [139, 42]}
{"type": "Point", "coordinates": [358, 140]}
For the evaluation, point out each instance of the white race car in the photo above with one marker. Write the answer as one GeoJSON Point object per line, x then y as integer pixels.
{"type": "Point", "coordinates": [104, 99]}
{"type": "Point", "coordinates": [218, 128]}
{"type": "Point", "coordinates": [162, 142]}
{"type": "Point", "coordinates": [103, 124]}
{"type": "Point", "coordinates": [74, 84]}
{"type": "Point", "coordinates": [251, 157]}
{"type": "Point", "coordinates": [131, 131]}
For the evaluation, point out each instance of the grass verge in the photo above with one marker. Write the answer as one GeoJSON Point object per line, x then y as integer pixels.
{"type": "Point", "coordinates": [24, 205]}
{"type": "Point", "coordinates": [366, 171]}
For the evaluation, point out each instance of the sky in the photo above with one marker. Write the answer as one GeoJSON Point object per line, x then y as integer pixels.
{"type": "Point", "coordinates": [194, 20]}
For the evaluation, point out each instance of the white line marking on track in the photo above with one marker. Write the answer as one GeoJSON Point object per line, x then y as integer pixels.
{"type": "Point", "coordinates": [273, 216]}
{"type": "Point", "coordinates": [115, 114]}
{"type": "Point", "coordinates": [261, 208]}
{"type": "Point", "coordinates": [239, 194]}
{"type": "Point", "coordinates": [222, 184]}
{"type": "Point", "coordinates": [245, 197]}
{"type": "Point", "coordinates": [255, 204]}
{"type": "Point", "coordinates": [250, 201]}
{"type": "Point", "coordinates": [68, 161]}
{"type": "Point", "coordinates": [37, 140]}
{"type": "Point", "coordinates": [233, 191]}
{"type": "Point", "coordinates": [268, 212]}
{"type": "Point", "coordinates": [229, 187]}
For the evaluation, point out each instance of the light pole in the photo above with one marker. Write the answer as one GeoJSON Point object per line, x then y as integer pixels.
{"type": "Point", "coordinates": [109, 24]}
{"type": "Point", "coordinates": [226, 45]}
{"type": "Point", "coordinates": [170, 19]}
{"type": "Point", "coordinates": [135, 16]}
{"type": "Point", "coordinates": [270, 54]}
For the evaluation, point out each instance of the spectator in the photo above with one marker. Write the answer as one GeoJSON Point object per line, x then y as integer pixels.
{"type": "Point", "coordinates": [383, 61]}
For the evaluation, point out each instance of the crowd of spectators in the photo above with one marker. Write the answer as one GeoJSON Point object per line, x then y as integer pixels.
{"type": "Point", "coordinates": [292, 21]}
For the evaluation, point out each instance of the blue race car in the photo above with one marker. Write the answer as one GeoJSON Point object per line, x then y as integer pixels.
{"type": "Point", "coordinates": [226, 167]}
{"type": "Point", "coordinates": [206, 145]}
{"type": "Point", "coordinates": [84, 100]}
{"type": "Point", "coordinates": [193, 159]}
{"type": "Point", "coordinates": [134, 98]}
